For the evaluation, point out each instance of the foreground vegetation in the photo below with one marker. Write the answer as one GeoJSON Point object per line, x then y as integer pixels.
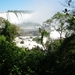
{"type": "Point", "coordinates": [54, 60]}
{"type": "Point", "coordinates": [58, 58]}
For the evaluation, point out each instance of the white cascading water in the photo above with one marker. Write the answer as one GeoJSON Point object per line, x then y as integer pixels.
{"type": "Point", "coordinates": [15, 18]}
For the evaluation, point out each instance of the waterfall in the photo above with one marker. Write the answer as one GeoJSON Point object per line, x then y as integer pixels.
{"type": "Point", "coordinates": [16, 17]}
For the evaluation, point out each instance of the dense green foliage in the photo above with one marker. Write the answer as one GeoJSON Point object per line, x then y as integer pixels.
{"type": "Point", "coordinates": [55, 60]}
{"type": "Point", "coordinates": [10, 31]}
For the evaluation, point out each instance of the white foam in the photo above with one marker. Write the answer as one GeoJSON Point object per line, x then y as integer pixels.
{"type": "Point", "coordinates": [28, 43]}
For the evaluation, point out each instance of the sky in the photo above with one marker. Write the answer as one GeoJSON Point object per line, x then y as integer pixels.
{"type": "Point", "coordinates": [29, 4]}
{"type": "Point", "coordinates": [43, 9]}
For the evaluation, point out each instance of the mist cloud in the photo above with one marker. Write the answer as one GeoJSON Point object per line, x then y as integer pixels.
{"type": "Point", "coordinates": [43, 12]}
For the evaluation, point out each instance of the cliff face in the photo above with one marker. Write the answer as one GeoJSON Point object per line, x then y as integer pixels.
{"type": "Point", "coordinates": [15, 17]}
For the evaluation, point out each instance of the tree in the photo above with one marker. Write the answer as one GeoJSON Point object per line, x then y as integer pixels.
{"type": "Point", "coordinates": [9, 31]}
{"type": "Point", "coordinates": [58, 22]}
{"type": "Point", "coordinates": [8, 56]}
{"type": "Point", "coordinates": [66, 54]}
{"type": "Point", "coordinates": [43, 33]}
{"type": "Point", "coordinates": [71, 25]}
